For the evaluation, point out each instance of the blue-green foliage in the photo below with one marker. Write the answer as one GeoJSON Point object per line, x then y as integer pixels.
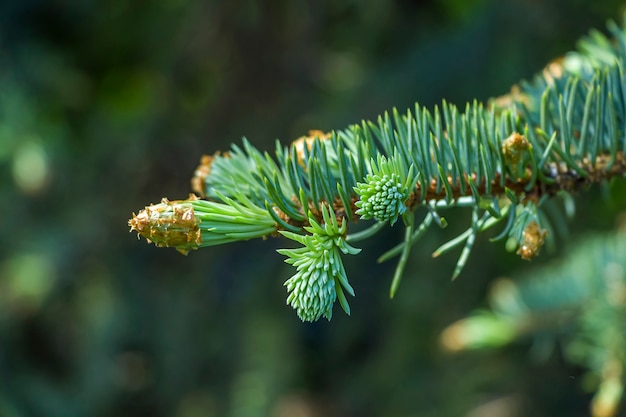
{"type": "Point", "coordinates": [561, 131]}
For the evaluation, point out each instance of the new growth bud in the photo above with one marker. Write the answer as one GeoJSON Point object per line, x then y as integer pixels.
{"type": "Point", "coordinates": [193, 223]}
{"type": "Point", "coordinates": [533, 238]}
{"type": "Point", "coordinates": [303, 142]}
{"type": "Point", "coordinates": [383, 194]}
{"type": "Point", "coordinates": [515, 147]}
{"type": "Point", "coordinates": [169, 224]}
{"type": "Point", "coordinates": [320, 278]}
{"type": "Point", "coordinates": [312, 289]}
{"type": "Point", "coordinates": [202, 171]}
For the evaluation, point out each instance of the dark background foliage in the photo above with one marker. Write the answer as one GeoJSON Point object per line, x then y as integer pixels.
{"type": "Point", "coordinates": [106, 106]}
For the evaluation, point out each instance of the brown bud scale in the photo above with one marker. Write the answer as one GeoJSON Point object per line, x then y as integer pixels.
{"type": "Point", "coordinates": [169, 224]}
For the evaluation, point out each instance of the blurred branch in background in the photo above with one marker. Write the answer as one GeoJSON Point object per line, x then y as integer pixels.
{"type": "Point", "coordinates": [104, 104]}
{"type": "Point", "coordinates": [578, 304]}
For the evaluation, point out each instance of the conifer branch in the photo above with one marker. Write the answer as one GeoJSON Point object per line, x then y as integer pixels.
{"type": "Point", "coordinates": [558, 134]}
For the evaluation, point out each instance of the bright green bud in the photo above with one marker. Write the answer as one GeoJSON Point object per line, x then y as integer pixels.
{"type": "Point", "coordinates": [384, 192]}
{"type": "Point", "coordinates": [312, 289]}
{"type": "Point", "coordinates": [320, 278]}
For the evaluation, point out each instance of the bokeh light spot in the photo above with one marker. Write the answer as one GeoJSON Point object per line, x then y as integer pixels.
{"type": "Point", "coordinates": [31, 168]}
{"type": "Point", "coordinates": [28, 278]}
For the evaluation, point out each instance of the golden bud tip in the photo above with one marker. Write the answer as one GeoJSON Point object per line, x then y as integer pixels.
{"type": "Point", "coordinates": [169, 224]}
{"type": "Point", "coordinates": [514, 147]}
{"type": "Point", "coordinates": [532, 241]}
{"type": "Point", "coordinates": [307, 141]}
{"type": "Point", "coordinates": [202, 171]}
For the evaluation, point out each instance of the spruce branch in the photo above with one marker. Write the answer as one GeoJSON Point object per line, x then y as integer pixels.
{"type": "Point", "coordinates": [505, 160]}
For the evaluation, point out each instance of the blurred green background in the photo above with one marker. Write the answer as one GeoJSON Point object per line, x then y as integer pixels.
{"type": "Point", "coordinates": [106, 106]}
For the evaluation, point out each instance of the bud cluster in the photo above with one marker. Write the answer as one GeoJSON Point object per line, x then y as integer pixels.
{"type": "Point", "coordinates": [320, 277]}
{"type": "Point", "coordinates": [383, 194]}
